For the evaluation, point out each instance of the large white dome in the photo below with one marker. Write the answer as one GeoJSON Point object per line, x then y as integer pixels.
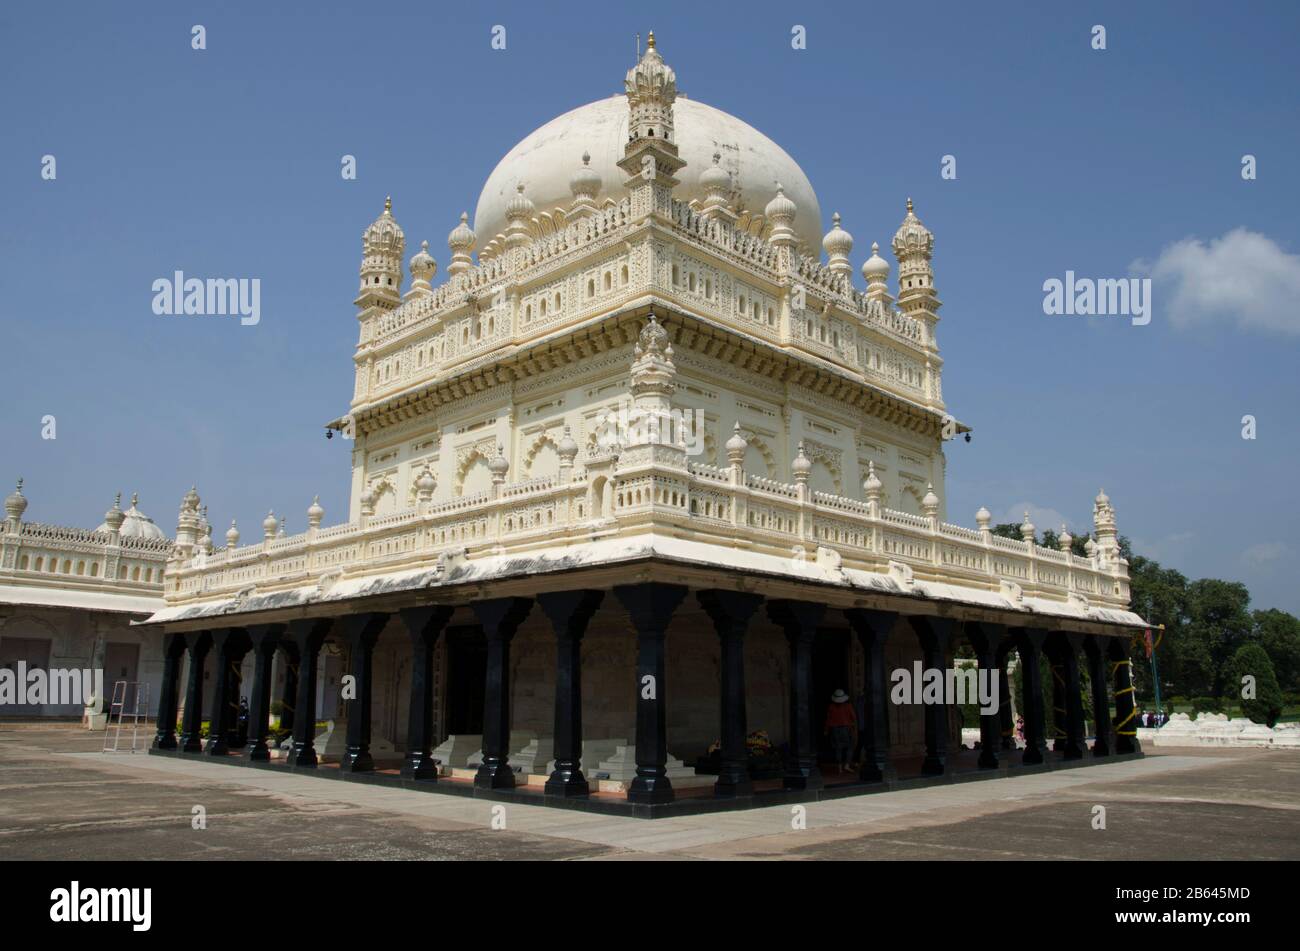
{"type": "Point", "coordinates": [547, 159]}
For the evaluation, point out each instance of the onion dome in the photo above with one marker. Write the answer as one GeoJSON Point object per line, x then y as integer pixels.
{"type": "Point", "coordinates": [838, 242]}
{"type": "Point", "coordinates": [1027, 529]}
{"type": "Point", "coordinates": [737, 443]}
{"type": "Point", "coordinates": [586, 181]}
{"type": "Point", "coordinates": [1065, 539]}
{"type": "Point", "coordinates": [781, 208]}
{"type": "Point", "coordinates": [716, 180]}
{"type": "Point", "coordinates": [315, 512]}
{"type": "Point", "coordinates": [499, 465]}
{"type": "Point", "coordinates": [983, 517]}
{"type": "Point", "coordinates": [875, 268]}
{"type": "Point", "coordinates": [462, 238]}
{"type": "Point", "coordinates": [232, 535]}
{"type": "Point", "coordinates": [1102, 498]}
{"type": "Point", "coordinates": [426, 483]}
{"type": "Point", "coordinates": [912, 237]}
{"type": "Point", "coordinates": [15, 502]}
{"type": "Point", "coordinates": [930, 503]}
{"type": "Point", "coordinates": [423, 266]}
{"type": "Point", "coordinates": [384, 234]}
{"type": "Point", "coordinates": [519, 208]}
{"type": "Point", "coordinates": [269, 524]}
{"type": "Point", "coordinates": [872, 484]}
{"type": "Point", "coordinates": [568, 447]}
{"type": "Point", "coordinates": [114, 517]}
{"type": "Point", "coordinates": [802, 465]}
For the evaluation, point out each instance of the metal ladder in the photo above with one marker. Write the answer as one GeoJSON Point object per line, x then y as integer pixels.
{"type": "Point", "coordinates": [119, 707]}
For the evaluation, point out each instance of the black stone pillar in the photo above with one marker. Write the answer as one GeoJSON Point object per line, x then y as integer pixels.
{"type": "Point", "coordinates": [873, 629]}
{"type": "Point", "coordinates": [289, 691]}
{"type": "Point", "coordinates": [651, 608]}
{"type": "Point", "coordinates": [360, 631]}
{"type": "Point", "coordinates": [569, 613]}
{"type": "Point", "coordinates": [1006, 719]}
{"type": "Point", "coordinates": [1029, 644]}
{"type": "Point", "coordinates": [1094, 648]}
{"type": "Point", "coordinates": [500, 618]}
{"type": "Point", "coordinates": [730, 612]}
{"type": "Point", "coordinates": [307, 636]}
{"type": "Point", "coordinates": [986, 640]}
{"type": "Point", "coordinates": [1053, 651]}
{"type": "Point", "coordinates": [198, 643]}
{"type": "Point", "coordinates": [424, 625]}
{"type": "Point", "coordinates": [1075, 744]}
{"type": "Point", "coordinates": [229, 645]}
{"type": "Point", "coordinates": [1126, 739]}
{"type": "Point", "coordinates": [169, 697]}
{"type": "Point", "coordinates": [799, 620]}
{"type": "Point", "coordinates": [935, 634]}
{"type": "Point", "coordinates": [264, 639]}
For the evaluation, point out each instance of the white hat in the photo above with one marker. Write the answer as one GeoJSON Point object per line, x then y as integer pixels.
{"type": "Point", "coordinates": [839, 696]}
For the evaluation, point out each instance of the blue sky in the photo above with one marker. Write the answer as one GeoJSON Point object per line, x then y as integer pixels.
{"type": "Point", "coordinates": [226, 162]}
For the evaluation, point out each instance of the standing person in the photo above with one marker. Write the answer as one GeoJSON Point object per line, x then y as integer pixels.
{"type": "Point", "coordinates": [842, 726]}
{"type": "Point", "coordinates": [1020, 729]}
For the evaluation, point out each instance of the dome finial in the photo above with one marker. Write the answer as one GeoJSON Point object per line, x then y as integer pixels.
{"type": "Point", "coordinates": [909, 204]}
{"type": "Point", "coordinates": [650, 41]}
{"type": "Point", "coordinates": [388, 203]}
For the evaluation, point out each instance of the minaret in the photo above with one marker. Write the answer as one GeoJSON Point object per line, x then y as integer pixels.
{"type": "Point", "coordinates": [913, 246]}
{"type": "Point", "coordinates": [382, 246]}
{"type": "Point", "coordinates": [650, 155]}
{"type": "Point", "coordinates": [838, 245]}
{"type": "Point", "coordinates": [875, 271]}
{"type": "Point", "coordinates": [189, 525]}
{"type": "Point", "coordinates": [423, 267]}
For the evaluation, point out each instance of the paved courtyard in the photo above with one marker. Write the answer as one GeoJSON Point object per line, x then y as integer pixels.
{"type": "Point", "coordinates": [60, 798]}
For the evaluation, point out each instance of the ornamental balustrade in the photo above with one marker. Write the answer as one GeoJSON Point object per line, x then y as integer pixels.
{"type": "Point", "coordinates": [719, 505]}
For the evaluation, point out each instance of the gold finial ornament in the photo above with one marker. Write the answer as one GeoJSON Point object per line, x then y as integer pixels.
{"type": "Point", "coordinates": [909, 205]}
{"type": "Point", "coordinates": [388, 203]}
{"type": "Point", "coordinates": [650, 41]}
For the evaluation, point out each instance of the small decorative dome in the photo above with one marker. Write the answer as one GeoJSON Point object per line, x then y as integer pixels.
{"type": "Point", "coordinates": [653, 339]}
{"type": "Point", "coordinates": [1102, 498]}
{"type": "Point", "coordinates": [232, 535]}
{"type": "Point", "coordinates": [912, 237]}
{"type": "Point", "coordinates": [737, 443]}
{"type": "Point", "coordinates": [1065, 539]}
{"type": "Point", "coordinates": [426, 483]}
{"type": "Point", "coordinates": [114, 517]}
{"type": "Point", "coordinates": [462, 238]}
{"type": "Point", "coordinates": [499, 465]}
{"type": "Point", "coordinates": [838, 242]}
{"type": "Point", "coordinates": [931, 501]}
{"type": "Point", "coordinates": [384, 232]}
{"type": "Point", "coordinates": [135, 524]}
{"type": "Point", "coordinates": [872, 483]}
{"type": "Point", "coordinates": [568, 447]}
{"type": "Point", "coordinates": [875, 268]}
{"type": "Point", "coordinates": [315, 511]}
{"type": "Point", "coordinates": [586, 182]}
{"type": "Point", "coordinates": [16, 502]}
{"type": "Point", "coordinates": [1027, 529]}
{"type": "Point", "coordinates": [716, 180]}
{"type": "Point", "coordinates": [423, 266]}
{"type": "Point", "coordinates": [802, 465]}
{"type": "Point", "coordinates": [983, 517]}
{"type": "Point", "coordinates": [269, 524]}
{"type": "Point", "coordinates": [519, 208]}
{"type": "Point", "coordinates": [781, 208]}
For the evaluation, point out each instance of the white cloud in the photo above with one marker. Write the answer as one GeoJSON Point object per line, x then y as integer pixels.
{"type": "Point", "coordinates": [1265, 552]}
{"type": "Point", "coordinates": [1169, 549]}
{"type": "Point", "coordinates": [1242, 278]}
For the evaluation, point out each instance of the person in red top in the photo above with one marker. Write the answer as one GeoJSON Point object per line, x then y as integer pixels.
{"type": "Point", "coordinates": [842, 726]}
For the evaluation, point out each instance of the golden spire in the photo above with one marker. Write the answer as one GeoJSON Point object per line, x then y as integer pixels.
{"type": "Point", "coordinates": [909, 206]}
{"type": "Point", "coordinates": [388, 203]}
{"type": "Point", "coordinates": [650, 41]}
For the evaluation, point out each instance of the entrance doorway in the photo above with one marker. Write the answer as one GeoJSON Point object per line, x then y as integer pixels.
{"type": "Point", "coordinates": [466, 680]}
{"type": "Point", "coordinates": [830, 672]}
{"type": "Point", "coordinates": [122, 662]}
{"type": "Point", "coordinates": [34, 653]}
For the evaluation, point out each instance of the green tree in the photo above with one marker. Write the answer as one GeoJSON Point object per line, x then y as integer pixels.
{"type": "Point", "coordinates": [1251, 660]}
{"type": "Point", "coordinates": [1279, 634]}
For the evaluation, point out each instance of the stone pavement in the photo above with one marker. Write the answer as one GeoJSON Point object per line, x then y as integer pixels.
{"type": "Point", "coordinates": [60, 800]}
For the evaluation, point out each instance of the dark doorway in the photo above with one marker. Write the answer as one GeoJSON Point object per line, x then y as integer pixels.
{"type": "Point", "coordinates": [830, 670]}
{"type": "Point", "coordinates": [466, 679]}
